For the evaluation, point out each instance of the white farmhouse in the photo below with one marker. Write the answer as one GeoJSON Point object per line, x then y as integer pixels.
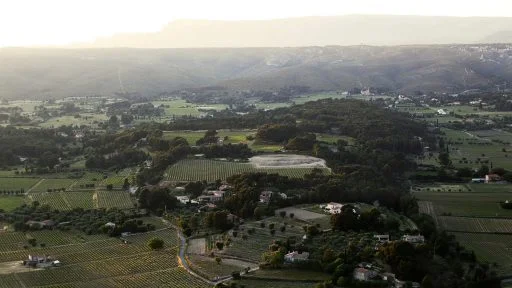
{"type": "Point", "coordinates": [415, 239]}
{"type": "Point", "coordinates": [295, 256]}
{"type": "Point", "coordinates": [333, 207]}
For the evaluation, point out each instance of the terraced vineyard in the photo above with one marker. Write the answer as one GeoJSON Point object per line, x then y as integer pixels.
{"type": "Point", "coordinates": [211, 170]}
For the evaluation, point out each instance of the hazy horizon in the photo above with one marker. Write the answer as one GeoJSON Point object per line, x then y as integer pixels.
{"type": "Point", "coordinates": [58, 23]}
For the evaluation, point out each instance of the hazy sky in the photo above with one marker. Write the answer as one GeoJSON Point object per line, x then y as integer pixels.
{"type": "Point", "coordinates": [55, 22]}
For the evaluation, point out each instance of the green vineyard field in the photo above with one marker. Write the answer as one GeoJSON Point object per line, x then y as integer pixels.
{"type": "Point", "coordinates": [211, 170]}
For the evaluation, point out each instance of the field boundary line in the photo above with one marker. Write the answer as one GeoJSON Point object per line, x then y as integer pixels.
{"type": "Point", "coordinates": [35, 185]}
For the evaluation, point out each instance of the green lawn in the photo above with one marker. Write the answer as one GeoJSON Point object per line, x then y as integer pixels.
{"type": "Point", "coordinates": [180, 107]}
{"type": "Point", "coordinates": [16, 184]}
{"type": "Point", "coordinates": [8, 203]}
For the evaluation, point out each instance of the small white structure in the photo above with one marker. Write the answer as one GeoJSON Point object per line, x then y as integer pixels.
{"type": "Point", "coordinates": [183, 199]}
{"type": "Point", "coordinates": [40, 262]}
{"type": "Point", "coordinates": [415, 239]}
{"type": "Point", "coordinates": [382, 238]}
{"type": "Point", "coordinates": [333, 207]}
{"type": "Point", "coordinates": [441, 112]}
{"type": "Point", "coordinates": [491, 178]}
{"type": "Point", "coordinates": [363, 274]}
{"type": "Point", "coordinates": [212, 196]}
{"type": "Point", "coordinates": [265, 196]}
{"type": "Point", "coordinates": [295, 256]}
{"type": "Point", "coordinates": [110, 225]}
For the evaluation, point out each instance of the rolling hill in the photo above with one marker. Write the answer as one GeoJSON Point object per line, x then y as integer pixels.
{"type": "Point", "coordinates": [56, 73]}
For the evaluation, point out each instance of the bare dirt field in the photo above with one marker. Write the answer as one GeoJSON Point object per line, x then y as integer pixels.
{"type": "Point", "coordinates": [301, 214]}
{"type": "Point", "coordinates": [287, 161]}
{"type": "Point", "coordinates": [197, 246]}
{"type": "Point", "coordinates": [14, 267]}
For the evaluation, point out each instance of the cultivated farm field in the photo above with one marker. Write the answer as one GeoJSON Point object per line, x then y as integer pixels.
{"type": "Point", "coordinates": [211, 170]}
{"type": "Point", "coordinates": [476, 204]}
{"type": "Point", "coordinates": [98, 261]}
{"type": "Point", "coordinates": [16, 184]}
{"type": "Point", "coordinates": [479, 225]}
{"type": "Point", "coordinates": [494, 249]}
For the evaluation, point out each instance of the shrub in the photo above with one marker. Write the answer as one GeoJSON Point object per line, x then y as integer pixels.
{"type": "Point", "coordinates": [156, 243]}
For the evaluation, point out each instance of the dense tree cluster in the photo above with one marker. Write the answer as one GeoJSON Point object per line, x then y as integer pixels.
{"type": "Point", "coordinates": [126, 158]}
{"type": "Point", "coordinates": [88, 221]}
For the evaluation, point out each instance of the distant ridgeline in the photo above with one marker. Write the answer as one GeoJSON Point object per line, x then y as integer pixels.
{"type": "Point", "coordinates": [153, 72]}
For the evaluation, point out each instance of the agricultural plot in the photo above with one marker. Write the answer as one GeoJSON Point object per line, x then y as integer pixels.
{"type": "Point", "coordinates": [441, 188]}
{"type": "Point", "coordinates": [100, 262]}
{"type": "Point", "coordinates": [474, 204]}
{"type": "Point", "coordinates": [490, 248]}
{"type": "Point", "coordinates": [90, 119]}
{"type": "Point", "coordinates": [211, 170]}
{"type": "Point", "coordinates": [470, 150]}
{"type": "Point", "coordinates": [52, 199]}
{"type": "Point", "coordinates": [17, 184]}
{"type": "Point", "coordinates": [256, 283]}
{"type": "Point", "coordinates": [491, 188]}
{"type": "Point", "coordinates": [258, 241]}
{"type": "Point", "coordinates": [64, 200]}
{"type": "Point", "coordinates": [89, 178]}
{"type": "Point", "coordinates": [117, 179]}
{"type": "Point", "coordinates": [48, 185]}
{"type": "Point", "coordinates": [209, 268]}
{"type": "Point", "coordinates": [495, 135]}
{"type": "Point", "coordinates": [9, 203]}
{"type": "Point", "coordinates": [111, 199]}
{"type": "Point", "coordinates": [479, 225]}
{"type": "Point", "coordinates": [289, 274]}
{"type": "Point", "coordinates": [78, 199]}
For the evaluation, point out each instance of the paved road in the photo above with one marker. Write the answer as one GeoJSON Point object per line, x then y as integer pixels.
{"type": "Point", "coordinates": [181, 254]}
{"type": "Point", "coordinates": [183, 262]}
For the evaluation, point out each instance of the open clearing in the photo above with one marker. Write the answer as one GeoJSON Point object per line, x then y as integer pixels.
{"type": "Point", "coordinates": [301, 214]}
{"type": "Point", "coordinates": [287, 161]}
{"type": "Point", "coordinates": [197, 246]}
{"type": "Point", "coordinates": [9, 203]}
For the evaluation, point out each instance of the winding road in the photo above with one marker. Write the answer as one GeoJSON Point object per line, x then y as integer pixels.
{"type": "Point", "coordinates": [183, 262]}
